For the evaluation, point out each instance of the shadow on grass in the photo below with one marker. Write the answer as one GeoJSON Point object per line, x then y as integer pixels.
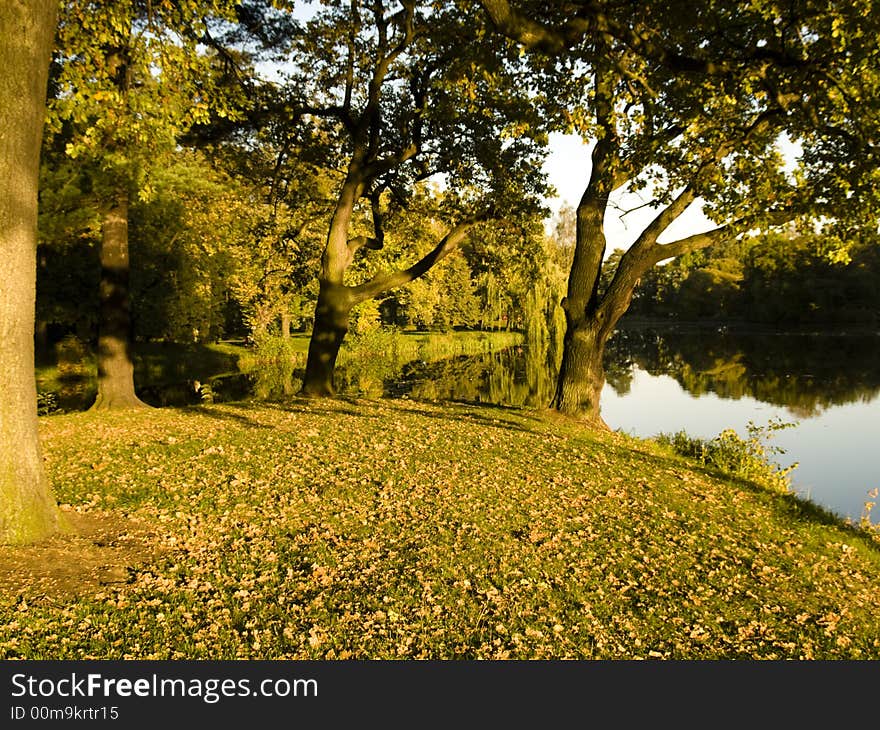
{"type": "Point", "coordinates": [362, 408]}
{"type": "Point", "coordinates": [458, 414]}
{"type": "Point", "coordinates": [293, 404]}
{"type": "Point", "coordinates": [789, 505]}
{"type": "Point", "coordinates": [225, 415]}
{"type": "Point", "coordinates": [455, 410]}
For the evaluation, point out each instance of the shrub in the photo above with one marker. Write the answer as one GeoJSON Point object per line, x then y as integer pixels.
{"type": "Point", "coordinates": [748, 458]}
{"type": "Point", "coordinates": [47, 402]}
{"type": "Point", "coordinates": [74, 358]}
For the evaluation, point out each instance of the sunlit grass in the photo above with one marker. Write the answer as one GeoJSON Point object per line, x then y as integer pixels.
{"type": "Point", "coordinates": [395, 529]}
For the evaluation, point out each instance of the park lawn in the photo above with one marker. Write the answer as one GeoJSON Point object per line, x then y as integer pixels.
{"type": "Point", "coordinates": [400, 529]}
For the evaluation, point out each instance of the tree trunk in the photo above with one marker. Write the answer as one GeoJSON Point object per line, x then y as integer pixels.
{"type": "Point", "coordinates": [582, 373]}
{"type": "Point", "coordinates": [28, 511]}
{"type": "Point", "coordinates": [331, 325]}
{"type": "Point", "coordinates": [285, 325]}
{"type": "Point", "coordinates": [115, 364]}
{"type": "Point", "coordinates": [41, 335]}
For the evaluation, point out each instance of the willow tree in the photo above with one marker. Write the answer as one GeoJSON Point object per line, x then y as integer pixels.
{"type": "Point", "coordinates": [128, 81]}
{"type": "Point", "coordinates": [27, 508]}
{"type": "Point", "coordinates": [403, 93]}
{"type": "Point", "coordinates": [687, 112]}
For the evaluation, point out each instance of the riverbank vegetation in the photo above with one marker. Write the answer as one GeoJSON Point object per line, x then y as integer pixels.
{"type": "Point", "coordinates": [790, 279]}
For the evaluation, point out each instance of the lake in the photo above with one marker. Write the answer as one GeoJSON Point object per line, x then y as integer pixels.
{"type": "Point", "coordinates": [659, 380]}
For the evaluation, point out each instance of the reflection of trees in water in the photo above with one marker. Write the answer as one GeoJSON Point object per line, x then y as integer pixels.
{"type": "Point", "coordinates": [503, 377]}
{"type": "Point", "coordinates": [804, 372]}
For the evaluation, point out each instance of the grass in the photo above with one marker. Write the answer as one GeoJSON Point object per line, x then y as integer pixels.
{"type": "Point", "coordinates": [399, 529]}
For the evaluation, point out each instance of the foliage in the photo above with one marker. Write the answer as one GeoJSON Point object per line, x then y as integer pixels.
{"type": "Point", "coordinates": [748, 458]}
{"type": "Point", "coordinates": [797, 278]}
{"type": "Point", "coordinates": [69, 234]}
{"type": "Point", "coordinates": [47, 403]}
{"type": "Point", "coordinates": [127, 81]}
{"type": "Point", "coordinates": [191, 246]}
{"type": "Point", "coordinates": [680, 113]}
{"type": "Point", "coordinates": [865, 521]}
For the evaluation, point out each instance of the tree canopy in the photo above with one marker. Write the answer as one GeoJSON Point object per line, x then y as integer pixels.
{"type": "Point", "coordinates": [696, 111]}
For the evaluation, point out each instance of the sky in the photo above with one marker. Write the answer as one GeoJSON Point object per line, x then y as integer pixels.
{"type": "Point", "coordinates": [568, 168]}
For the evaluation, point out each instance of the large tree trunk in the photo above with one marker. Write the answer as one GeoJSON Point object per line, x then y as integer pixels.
{"type": "Point", "coordinates": [581, 373]}
{"type": "Point", "coordinates": [331, 325]}
{"type": "Point", "coordinates": [28, 511]}
{"type": "Point", "coordinates": [115, 364]}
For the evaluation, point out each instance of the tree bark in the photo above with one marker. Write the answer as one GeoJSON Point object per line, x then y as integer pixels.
{"type": "Point", "coordinates": [115, 363]}
{"type": "Point", "coordinates": [331, 325]}
{"type": "Point", "coordinates": [28, 511]}
{"type": "Point", "coordinates": [285, 325]}
{"type": "Point", "coordinates": [582, 373]}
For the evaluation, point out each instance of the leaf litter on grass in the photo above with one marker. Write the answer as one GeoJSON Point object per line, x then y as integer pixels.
{"type": "Point", "coordinates": [400, 529]}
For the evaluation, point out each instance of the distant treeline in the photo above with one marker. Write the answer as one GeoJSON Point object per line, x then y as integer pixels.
{"type": "Point", "coordinates": [791, 279]}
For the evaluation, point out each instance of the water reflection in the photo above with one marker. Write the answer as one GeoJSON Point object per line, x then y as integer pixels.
{"type": "Point", "coordinates": [805, 373]}
{"type": "Point", "coordinates": [704, 382]}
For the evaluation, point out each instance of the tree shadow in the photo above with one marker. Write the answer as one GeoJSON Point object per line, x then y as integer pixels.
{"type": "Point", "coordinates": [788, 505]}
{"type": "Point", "coordinates": [224, 415]}
{"type": "Point", "coordinates": [455, 412]}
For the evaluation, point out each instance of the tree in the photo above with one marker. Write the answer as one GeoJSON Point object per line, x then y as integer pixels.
{"type": "Point", "coordinates": [68, 268]}
{"type": "Point", "coordinates": [128, 81]}
{"type": "Point", "coordinates": [400, 99]}
{"type": "Point", "coordinates": [28, 510]}
{"type": "Point", "coordinates": [689, 111]}
{"type": "Point", "coordinates": [192, 240]}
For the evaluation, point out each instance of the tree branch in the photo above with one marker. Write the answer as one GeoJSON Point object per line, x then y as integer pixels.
{"type": "Point", "coordinates": [674, 249]}
{"type": "Point", "coordinates": [383, 282]}
{"type": "Point", "coordinates": [530, 33]}
{"type": "Point", "coordinates": [591, 20]}
{"type": "Point", "coordinates": [648, 237]}
{"type": "Point", "coordinates": [377, 240]}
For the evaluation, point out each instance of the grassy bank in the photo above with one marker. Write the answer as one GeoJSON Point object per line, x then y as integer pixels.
{"type": "Point", "coordinates": [397, 529]}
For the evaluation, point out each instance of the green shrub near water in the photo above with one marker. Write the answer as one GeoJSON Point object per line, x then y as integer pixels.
{"type": "Point", "coordinates": [748, 458]}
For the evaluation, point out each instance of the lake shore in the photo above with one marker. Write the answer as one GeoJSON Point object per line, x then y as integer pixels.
{"type": "Point", "coordinates": [401, 529]}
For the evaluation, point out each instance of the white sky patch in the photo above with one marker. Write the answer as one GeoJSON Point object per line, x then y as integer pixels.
{"type": "Point", "coordinates": [568, 169]}
{"type": "Point", "coordinates": [791, 150]}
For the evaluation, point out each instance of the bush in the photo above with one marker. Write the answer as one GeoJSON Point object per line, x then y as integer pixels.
{"type": "Point", "coordinates": [365, 318]}
{"type": "Point", "coordinates": [747, 458]}
{"type": "Point", "coordinates": [270, 349]}
{"type": "Point", "coordinates": [74, 358]}
{"type": "Point", "coordinates": [47, 402]}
